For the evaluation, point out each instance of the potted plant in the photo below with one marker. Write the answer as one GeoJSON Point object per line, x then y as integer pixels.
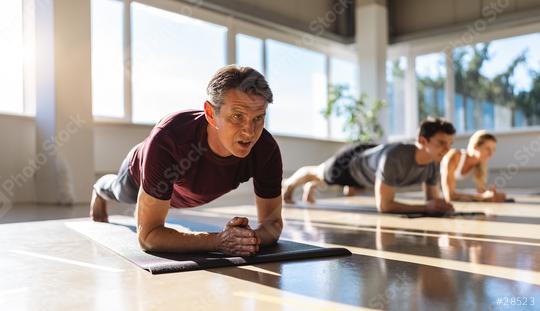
{"type": "Point", "coordinates": [361, 119]}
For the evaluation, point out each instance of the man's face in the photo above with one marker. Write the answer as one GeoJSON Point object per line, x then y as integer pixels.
{"type": "Point", "coordinates": [438, 145]}
{"type": "Point", "coordinates": [240, 122]}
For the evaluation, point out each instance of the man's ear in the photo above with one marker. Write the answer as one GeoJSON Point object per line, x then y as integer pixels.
{"type": "Point", "coordinates": [209, 113]}
{"type": "Point", "coordinates": [422, 140]}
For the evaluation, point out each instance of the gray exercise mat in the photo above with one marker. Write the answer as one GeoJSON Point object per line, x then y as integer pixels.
{"type": "Point", "coordinates": [335, 207]}
{"type": "Point", "coordinates": [119, 236]}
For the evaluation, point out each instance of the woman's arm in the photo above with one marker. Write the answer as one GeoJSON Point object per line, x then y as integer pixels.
{"type": "Point", "coordinates": [448, 180]}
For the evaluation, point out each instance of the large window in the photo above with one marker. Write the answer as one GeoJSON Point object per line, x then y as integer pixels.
{"type": "Point", "coordinates": [249, 52]}
{"type": "Point", "coordinates": [11, 56]}
{"type": "Point", "coordinates": [395, 83]}
{"type": "Point", "coordinates": [298, 79]}
{"type": "Point", "coordinates": [173, 58]}
{"type": "Point", "coordinates": [497, 84]}
{"type": "Point", "coordinates": [107, 58]}
{"type": "Point", "coordinates": [430, 79]}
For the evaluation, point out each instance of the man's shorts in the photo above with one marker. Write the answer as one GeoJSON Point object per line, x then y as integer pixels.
{"type": "Point", "coordinates": [336, 169]}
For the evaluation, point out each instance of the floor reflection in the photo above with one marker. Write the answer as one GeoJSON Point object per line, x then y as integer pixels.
{"type": "Point", "coordinates": [525, 257]}
{"type": "Point", "coordinates": [379, 283]}
{"type": "Point", "coordinates": [385, 284]}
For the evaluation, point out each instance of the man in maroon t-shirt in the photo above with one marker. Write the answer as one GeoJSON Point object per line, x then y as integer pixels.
{"type": "Point", "coordinates": [192, 157]}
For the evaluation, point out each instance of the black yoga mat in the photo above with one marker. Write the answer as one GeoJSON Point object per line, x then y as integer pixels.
{"type": "Point", "coordinates": [119, 236]}
{"type": "Point", "coordinates": [444, 215]}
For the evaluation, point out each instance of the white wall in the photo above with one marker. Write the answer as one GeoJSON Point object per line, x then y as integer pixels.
{"type": "Point", "coordinates": [113, 141]}
{"type": "Point", "coordinates": [17, 149]}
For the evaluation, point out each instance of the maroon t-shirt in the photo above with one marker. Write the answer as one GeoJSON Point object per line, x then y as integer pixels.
{"type": "Point", "coordinates": [175, 162]}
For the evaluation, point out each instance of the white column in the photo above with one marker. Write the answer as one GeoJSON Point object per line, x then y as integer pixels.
{"type": "Point", "coordinates": [231, 41]}
{"type": "Point", "coordinates": [65, 152]}
{"type": "Point", "coordinates": [29, 33]}
{"type": "Point", "coordinates": [128, 94]}
{"type": "Point", "coordinates": [449, 87]}
{"type": "Point", "coordinates": [411, 98]}
{"type": "Point", "coordinates": [372, 45]}
{"type": "Point", "coordinates": [328, 69]}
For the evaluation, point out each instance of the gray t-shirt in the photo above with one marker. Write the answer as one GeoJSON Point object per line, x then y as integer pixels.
{"type": "Point", "coordinates": [394, 164]}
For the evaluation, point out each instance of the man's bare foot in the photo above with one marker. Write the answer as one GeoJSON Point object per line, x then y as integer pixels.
{"type": "Point", "coordinates": [310, 188]}
{"type": "Point", "coordinates": [288, 190]}
{"type": "Point", "coordinates": [98, 208]}
{"type": "Point", "coordinates": [351, 191]}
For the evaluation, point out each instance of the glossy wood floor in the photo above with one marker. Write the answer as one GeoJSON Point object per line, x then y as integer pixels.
{"type": "Point", "coordinates": [489, 262]}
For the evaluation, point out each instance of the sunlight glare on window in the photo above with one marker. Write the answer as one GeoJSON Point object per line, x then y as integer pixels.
{"type": "Point", "coordinates": [11, 56]}
{"type": "Point", "coordinates": [107, 58]}
{"type": "Point", "coordinates": [174, 57]}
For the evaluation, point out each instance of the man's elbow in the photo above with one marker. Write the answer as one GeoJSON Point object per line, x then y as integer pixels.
{"type": "Point", "coordinates": [146, 243]}
{"type": "Point", "coordinates": [273, 240]}
{"type": "Point", "coordinates": [278, 228]}
{"type": "Point", "coordinates": [384, 207]}
{"type": "Point", "coordinates": [273, 230]}
{"type": "Point", "coordinates": [451, 196]}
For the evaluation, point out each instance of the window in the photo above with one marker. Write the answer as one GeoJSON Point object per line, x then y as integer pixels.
{"type": "Point", "coordinates": [497, 84]}
{"type": "Point", "coordinates": [343, 72]}
{"type": "Point", "coordinates": [430, 78]}
{"type": "Point", "coordinates": [11, 56]}
{"type": "Point", "coordinates": [173, 58]}
{"type": "Point", "coordinates": [298, 80]}
{"type": "Point", "coordinates": [249, 52]}
{"type": "Point", "coordinates": [107, 58]}
{"type": "Point", "coordinates": [395, 83]}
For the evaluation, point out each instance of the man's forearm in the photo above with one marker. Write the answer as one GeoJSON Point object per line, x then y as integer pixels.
{"type": "Point", "coordinates": [269, 231]}
{"type": "Point", "coordinates": [163, 239]}
{"type": "Point", "coordinates": [456, 196]}
{"type": "Point", "coordinates": [398, 207]}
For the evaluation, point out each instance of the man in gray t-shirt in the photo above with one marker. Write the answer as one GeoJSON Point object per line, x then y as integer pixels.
{"type": "Point", "coordinates": [394, 164]}
{"type": "Point", "coordinates": [385, 168]}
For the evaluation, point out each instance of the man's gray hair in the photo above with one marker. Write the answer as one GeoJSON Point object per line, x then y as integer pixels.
{"type": "Point", "coordinates": [234, 77]}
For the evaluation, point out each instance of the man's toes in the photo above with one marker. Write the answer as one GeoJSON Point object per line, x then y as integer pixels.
{"type": "Point", "coordinates": [101, 219]}
{"type": "Point", "coordinates": [311, 199]}
{"type": "Point", "coordinates": [288, 199]}
{"type": "Point", "coordinates": [288, 196]}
